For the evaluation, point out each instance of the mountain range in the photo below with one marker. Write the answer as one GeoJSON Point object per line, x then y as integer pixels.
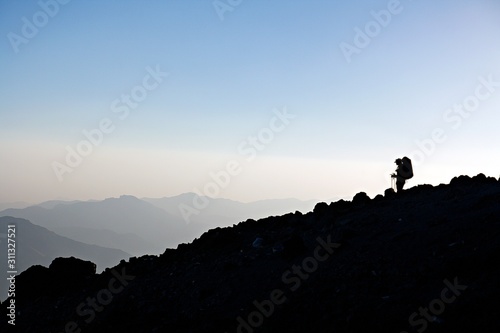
{"type": "Point", "coordinates": [424, 260]}
{"type": "Point", "coordinates": [146, 226]}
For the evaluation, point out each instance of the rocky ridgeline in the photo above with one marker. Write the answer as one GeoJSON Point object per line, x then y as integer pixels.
{"type": "Point", "coordinates": [423, 260]}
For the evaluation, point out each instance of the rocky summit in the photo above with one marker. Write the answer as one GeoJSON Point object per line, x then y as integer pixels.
{"type": "Point", "coordinates": [424, 260]}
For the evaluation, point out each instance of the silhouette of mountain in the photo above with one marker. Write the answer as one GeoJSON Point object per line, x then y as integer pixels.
{"type": "Point", "coordinates": [53, 203]}
{"type": "Point", "coordinates": [36, 245]}
{"type": "Point", "coordinates": [422, 260]}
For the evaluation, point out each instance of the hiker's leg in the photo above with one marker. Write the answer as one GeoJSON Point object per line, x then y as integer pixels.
{"type": "Point", "coordinates": [400, 183]}
{"type": "Point", "coordinates": [399, 186]}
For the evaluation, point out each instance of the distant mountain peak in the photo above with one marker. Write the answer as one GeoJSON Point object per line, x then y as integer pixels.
{"type": "Point", "coordinates": [124, 197]}
{"type": "Point", "coordinates": [128, 197]}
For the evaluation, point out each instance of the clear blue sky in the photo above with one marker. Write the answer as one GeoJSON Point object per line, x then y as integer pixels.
{"type": "Point", "coordinates": [230, 69]}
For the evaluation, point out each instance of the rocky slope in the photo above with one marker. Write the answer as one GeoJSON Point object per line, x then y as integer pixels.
{"type": "Point", "coordinates": [423, 260]}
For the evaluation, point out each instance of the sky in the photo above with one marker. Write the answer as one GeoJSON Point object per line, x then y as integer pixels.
{"type": "Point", "coordinates": [246, 100]}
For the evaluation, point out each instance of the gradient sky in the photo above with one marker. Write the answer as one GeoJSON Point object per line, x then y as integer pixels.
{"type": "Point", "coordinates": [228, 74]}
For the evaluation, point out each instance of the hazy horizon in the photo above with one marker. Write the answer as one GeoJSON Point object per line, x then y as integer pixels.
{"type": "Point", "coordinates": [23, 203]}
{"type": "Point", "coordinates": [245, 100]}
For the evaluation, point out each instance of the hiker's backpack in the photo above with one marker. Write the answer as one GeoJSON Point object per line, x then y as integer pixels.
{"type": "Point", "coordinates": [406, 169]}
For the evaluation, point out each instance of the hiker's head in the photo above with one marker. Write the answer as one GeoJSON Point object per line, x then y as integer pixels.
{"type": "Point", "coordinates": [398, 161]}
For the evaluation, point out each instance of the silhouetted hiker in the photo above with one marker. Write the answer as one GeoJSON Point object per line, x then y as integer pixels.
{"type": "Point", "coordinates": [403, 172]}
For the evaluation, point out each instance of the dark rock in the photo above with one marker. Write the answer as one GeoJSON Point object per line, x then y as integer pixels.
{"type": "Point", "coordinates": [389, 193]}
{"type": "Point", "coordinates": [460, 180]}
{"type": "Point", "coordinates": [258, 242]}
{"type": "Point", "coordinates": [72, 268]}
{"type": "Point", "coordinates": [340, 206]}
{"type": "Point", "coordinates": [293, 246]}
{"type": "Point", "coordinates": [481, 178]}
{"type": "Point", "coordinates": [320, 208]}
{"type": "Point", "coordinates": [361, 198]}
{"type": "Point", "coordinates": [36, 281]}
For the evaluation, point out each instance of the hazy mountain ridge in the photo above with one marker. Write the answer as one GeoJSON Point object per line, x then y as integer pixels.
{"type": "Point", "coordinates": [153, 227]}
{"type": "Point", "coordinates": [53, 203]}
{"type": "Point", "coordinates": [230, 211]}
{"type": "Point", "coordinates": [349, 266]}
{"type": "Point", "coordinates": [145, 226]}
